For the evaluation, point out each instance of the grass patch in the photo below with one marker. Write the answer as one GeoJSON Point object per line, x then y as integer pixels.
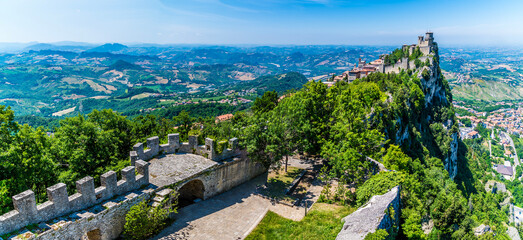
{"type": "Point", "coordinates": [322, 222]}
{"type": "Point", "coordinates": [280, 180]}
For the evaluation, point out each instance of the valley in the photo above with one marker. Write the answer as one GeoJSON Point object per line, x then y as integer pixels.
{"type": "Point", "coordinates": [486, 74]}
{"type": "Point", "coordinates": [54, 81]}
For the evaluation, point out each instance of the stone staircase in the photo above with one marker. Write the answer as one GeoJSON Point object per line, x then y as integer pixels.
{"type": "Point", "coordinates": [160, 197]}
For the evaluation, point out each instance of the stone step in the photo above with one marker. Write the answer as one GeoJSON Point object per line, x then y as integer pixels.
{"type": "Point", "coordinates": [158, 199]}
{"type": "Point", "coordinates": [164, 192]}
{"type": "Point", "coordinates": [155, 204]}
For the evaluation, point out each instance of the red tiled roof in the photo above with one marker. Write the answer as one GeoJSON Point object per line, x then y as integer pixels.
{"type": "Point", "coordinates": [224, 117]}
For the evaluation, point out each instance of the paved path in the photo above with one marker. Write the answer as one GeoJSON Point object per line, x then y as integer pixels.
{"type": "Point", "coordinates": [226, 216]}
{"type": "Point", "coordinates": [233, 214]}
{"type": "Point", "coordinates": [490, 147]}
{"type": "Point", "coordinates": [516, 159]}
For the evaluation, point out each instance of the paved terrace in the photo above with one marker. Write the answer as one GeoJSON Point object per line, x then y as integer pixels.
{"type": "Point", "coordinates": [232, 214]}
{"type": "Point", "coordinates": [172, 168]}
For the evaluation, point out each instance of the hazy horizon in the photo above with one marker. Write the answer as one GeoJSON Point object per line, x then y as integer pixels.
{"type": "Point", "coordinates": [271, 22]}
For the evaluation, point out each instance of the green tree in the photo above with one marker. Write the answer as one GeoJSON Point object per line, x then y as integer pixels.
{"type": "Point", "coordinates": [266, 103]}
{"type": "Point", "coordinates": [26, 164]}
{"type": "Point", "coordinates": [118, 128]}
{"type": "Point", "coordinates": [8, 127]}
{"type": "Point", "coordinates": [144, 126]}
{"type": "Point", "coordinates": [84, 147]}
{"type": "Point", "coordinates": [262, 142]}
{"type": "Point", "coordinates": [184, 122]}
{"type": "Point", "coordinates": [395, 159]}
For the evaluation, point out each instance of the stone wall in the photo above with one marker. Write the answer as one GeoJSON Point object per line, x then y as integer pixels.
{"type": "Point", "coordinates": [226, 175]}
{"type": "Point", "coordinates": [105, 225]}
{"type": "Point", "coordinates": [27, 212]}
{"type": "Point", "coordinates": [174, 146]}
{"type": "Point", "coordinates": [374, 215]}
{"type": "Point", "coordinates": [402, 64]}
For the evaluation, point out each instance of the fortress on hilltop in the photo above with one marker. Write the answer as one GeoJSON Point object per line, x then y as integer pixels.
{"type": "Point", "coordinates": [426, 46]}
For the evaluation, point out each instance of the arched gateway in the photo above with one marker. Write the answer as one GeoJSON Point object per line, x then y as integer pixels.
{"type": "Point", "coordinates": [191, 191]}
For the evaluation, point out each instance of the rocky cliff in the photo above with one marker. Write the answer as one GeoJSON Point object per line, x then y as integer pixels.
{"type": "Point", "coordinates": [437, 95]}
{"type": "Point", "coordinates": [437, 99]}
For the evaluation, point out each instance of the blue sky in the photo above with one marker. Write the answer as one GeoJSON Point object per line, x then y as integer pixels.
{"type": "Point", "coordinates": [363, 22]}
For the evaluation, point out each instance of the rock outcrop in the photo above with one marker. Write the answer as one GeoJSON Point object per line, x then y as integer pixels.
{"type": "Point", "coordinates": [380, 212]}
{"type": "Point", "coordinates": [451, 162]}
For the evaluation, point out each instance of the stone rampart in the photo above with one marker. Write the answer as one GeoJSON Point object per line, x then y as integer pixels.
{"type": "Point", "coordinates": [380, 212]}
{"type": "Point", "coordinates": [101, 211]}
{"type": "Point", "coordinates": [105, 225]}
{"type": "Point", "coordinates": [173, 145]}
{"type": "Point", "coordinates": [28, 212]}
{"type": "Point", "coordinates": [402, 64]}
{"type": "Point", "coordinates": [225, 176]}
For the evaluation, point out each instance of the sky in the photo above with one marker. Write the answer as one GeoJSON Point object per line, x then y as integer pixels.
{"type": "Point", "coordinates": [263, 22]}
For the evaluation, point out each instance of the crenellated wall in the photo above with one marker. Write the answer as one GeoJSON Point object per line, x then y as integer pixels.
{"type": "Point", "coordinates": [102, 210]}
{"type": "Point", "coordinates": [27, 212]}
{"type": "Point", "coordinates": [174, 146]}
{"type": "Point", "coordinates": [104, 225]}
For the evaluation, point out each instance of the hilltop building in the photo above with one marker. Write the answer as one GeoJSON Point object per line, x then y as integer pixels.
{"type": "Point", "coordinates": [426, 46]}
{"type": "Point", "coordinates": [224, 117]}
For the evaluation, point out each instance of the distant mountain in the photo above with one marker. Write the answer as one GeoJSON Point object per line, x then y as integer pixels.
{"type": "Point", "coordinates": [108, 47]}
{"type": "Point", "coordinates": [14, 47]}
{"type": "Point", "coordinates": [121, 65]}
{"type": "Point", "coordinates": [48, 46]}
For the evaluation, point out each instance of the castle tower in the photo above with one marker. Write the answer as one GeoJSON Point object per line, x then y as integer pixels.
{"type": "Point", "coordinates": [429, 37]}
{"type": "Point", "coordinates": [420, 40]}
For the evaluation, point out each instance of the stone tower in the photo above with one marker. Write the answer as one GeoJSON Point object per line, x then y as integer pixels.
{"type": "Point", "coordinates": [429, 37]}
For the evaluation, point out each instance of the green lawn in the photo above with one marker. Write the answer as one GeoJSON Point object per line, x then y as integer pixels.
{"type": "Point", "coordinates": [322, 222]}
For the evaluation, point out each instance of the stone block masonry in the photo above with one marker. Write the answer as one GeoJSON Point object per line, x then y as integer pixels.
{"type": "Point", "coordinates": [101, 222]}
{"type": "Point", "coordinates": [174, 146]}
{"type": "Point", "coordinates": [27, 212]}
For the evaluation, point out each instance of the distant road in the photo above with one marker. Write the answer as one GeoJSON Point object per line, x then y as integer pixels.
{"type": "Point", "coordinates": [516, 159]}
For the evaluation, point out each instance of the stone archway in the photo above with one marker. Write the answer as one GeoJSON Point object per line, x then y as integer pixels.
{"type": "Point", "coordinates": [95, 234]}
{"type": "Point", "coordinates": [189, 192]}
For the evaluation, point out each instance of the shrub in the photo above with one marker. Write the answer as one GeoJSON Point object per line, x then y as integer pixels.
{"type": "Point", "coordinates": [417, 62]}
{"type": "Point", "coordinates": [425, 74]}
{"type": "Point", "coordinates": [222, 145]}
{"type": "Point", "coordinates": [381, 234]}
{"type": "Point", "coordinates": [143, 221]}
{"type": "Point", "coordinates": [427, 62]}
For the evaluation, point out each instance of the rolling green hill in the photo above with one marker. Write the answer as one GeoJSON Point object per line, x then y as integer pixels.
{"type": "Point", "coordinates": [486, 90]}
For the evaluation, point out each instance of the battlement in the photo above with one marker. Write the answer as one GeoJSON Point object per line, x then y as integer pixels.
{"type": "Point", "coordinates": [173, 145]}
{"type": "Point", "coordinates": [27, 212]}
